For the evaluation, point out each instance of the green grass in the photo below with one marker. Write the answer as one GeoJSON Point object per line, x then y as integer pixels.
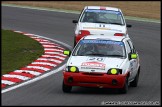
{"type": "Point", "coordinates": [18, 51]}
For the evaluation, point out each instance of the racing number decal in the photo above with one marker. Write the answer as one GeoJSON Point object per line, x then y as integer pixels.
{"type": "Point", "coordinates": [96, 59]}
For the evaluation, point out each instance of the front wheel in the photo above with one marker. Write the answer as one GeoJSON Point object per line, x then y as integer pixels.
{"type": "Point", "coordinates": [135, 81]}
{"type": "Point", "coordinates": [66, 88]}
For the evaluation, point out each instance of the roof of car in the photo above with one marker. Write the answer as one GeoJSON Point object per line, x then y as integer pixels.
{"type": "Point", "coordinates": [104, 37]}
{"type": "Point", "coordinates": [102, 7]}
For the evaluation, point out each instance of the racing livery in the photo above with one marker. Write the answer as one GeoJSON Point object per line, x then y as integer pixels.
{"type": "Point", "coordinates": [102, 61]}
{"type": "Point", "coordinates": [100, 20]}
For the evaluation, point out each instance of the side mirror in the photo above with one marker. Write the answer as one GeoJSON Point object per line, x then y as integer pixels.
{"type": "Point", "coordinates": [67, 52]}
{"type": "Point", "coordinates": [133, 56]}
{"type": "Point", "coordinates": [129, 25]}
{"type": "Point", "coordinates": [75, 21]}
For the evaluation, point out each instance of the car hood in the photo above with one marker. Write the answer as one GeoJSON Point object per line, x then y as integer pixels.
{"type": "Point", "coordinates": [95, 64]}
{"type": "Point", "coordinates": [96, 28]}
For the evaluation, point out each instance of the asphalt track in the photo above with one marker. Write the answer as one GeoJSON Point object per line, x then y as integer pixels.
{"type": "Point", "coordinates": [59, 26]}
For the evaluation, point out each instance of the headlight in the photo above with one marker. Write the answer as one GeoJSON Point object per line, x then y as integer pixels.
{"type": "Point", "coordinates": [114, 71]}
{"type": "Point", "coordinates": [72, 69]}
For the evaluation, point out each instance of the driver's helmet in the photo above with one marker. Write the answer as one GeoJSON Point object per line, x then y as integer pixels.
{"type": "Point", "coordinates": [91, 17]}
{"type": "Point", "coordinates": [101, 46]}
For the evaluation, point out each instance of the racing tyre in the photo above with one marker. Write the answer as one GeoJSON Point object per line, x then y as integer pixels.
{"type": "Point", "coordinates": [125, 88]}
{"type": "Point", "coordinates": [135, 81]}
{"type": "Point", "coordinates": [66, 88]}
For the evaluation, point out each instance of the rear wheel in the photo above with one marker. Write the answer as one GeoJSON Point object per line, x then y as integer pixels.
{"type": "Point", "coordinates": [125, 87]}
{"type": "Point", "coordinates": [66, 88]}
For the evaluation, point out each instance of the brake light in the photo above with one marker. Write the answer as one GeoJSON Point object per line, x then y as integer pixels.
{"type": "Point", "coordinates": [81, 34]}
{"type": "Point", "coordinates": [118, 34]}
{"type": "Point", "coordinates": [84, 32]}
{"type": "Point", "coordinates": [102, 8]}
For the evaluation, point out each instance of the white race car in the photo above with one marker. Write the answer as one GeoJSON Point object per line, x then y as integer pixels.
{"type": "Point", "coordinates": [102, 61]}
{"type": "Point", "coordinates": [100, 20]}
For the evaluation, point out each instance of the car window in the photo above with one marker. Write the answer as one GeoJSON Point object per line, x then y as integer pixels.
{"type": "Point", "coordinates": [80, 14]}
{"type": "Point", "coordinates": [128, 47]}
{"type": "Point", "coordinates": [102, 16]}
{"type": "Point", "coordinates": [131, 46]}
{"type": "Point", "coordinates": [100, 48]}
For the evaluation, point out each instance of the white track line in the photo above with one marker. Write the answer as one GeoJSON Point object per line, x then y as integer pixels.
{"type": "Point", "coordinates": [18, 31]}
{"type": "Point", "coordinates": [7, 82]}
{"type": "Point", "coordinates": [16, 76]}
{"type": "Point", "coordinates": [49, 46]}
{"type": "Point", "coordinates": [53, 53]}
{"type": "Point", "coordinates": [51, 49]}
{"type": "Point", "coordinates": [29, 34]}
{"type": "Point", "coordinates": [48, 43]}
{"type": "Point", "coordinates": [53, 60]}
{"type": "Point", "coordinates": [41, 40]}
{"type": "Point", "coordinates": [29, 71]}
{"type": "Point", "coordinates": [38, 67]}
{"type": "Point", "coordinates": [62, 58]}
{"type": "Point", "coordinates": [34, 37]}
{"type": "Point", "coordinates": [44, 63]}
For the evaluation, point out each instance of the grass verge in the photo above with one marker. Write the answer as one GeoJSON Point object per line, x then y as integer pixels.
{"type": "Point", "coordinates": [18, 51]}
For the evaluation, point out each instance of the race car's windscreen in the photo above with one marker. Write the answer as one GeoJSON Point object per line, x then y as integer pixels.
{"type": "Point", "coordinates": [100, 48]}
{"type": "Point", "coordinates": [102, 16]}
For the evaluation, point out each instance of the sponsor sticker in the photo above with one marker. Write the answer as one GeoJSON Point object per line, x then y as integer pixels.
{"type": "Point", "coordinates": [93, 65]}
{"type": "Point", "coordinates": [103, 42]}
{"type": "Point", "coordinates": [103, 11]}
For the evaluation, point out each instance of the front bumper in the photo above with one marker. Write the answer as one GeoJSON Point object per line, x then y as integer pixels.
{"type": "Point", "coordinates": [94, 80]}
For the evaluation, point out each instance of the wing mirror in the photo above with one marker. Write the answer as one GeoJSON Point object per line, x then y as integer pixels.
{"type": "Point", "coordinates": [133, 56]}
{"type": "Point", "coordinates": [128, 25]}
{"type": "Point", "coordinates": [75, 21]}
{"type": "Point", "coordinates": [67, 52]}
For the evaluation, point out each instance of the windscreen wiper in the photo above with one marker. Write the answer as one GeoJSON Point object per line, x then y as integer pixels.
{"type": "Point", "coordinates": [100, 22]}
{"type": "Point", "coordinates": [94, 54]}
{"type": "Point", "coordinates": [115, 55]}
{"type": "Point", "coordinates": [116, 23]}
